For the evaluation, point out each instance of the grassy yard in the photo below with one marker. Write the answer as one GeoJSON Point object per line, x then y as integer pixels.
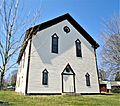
{"type": "Point", "coordinates": [15, 99]}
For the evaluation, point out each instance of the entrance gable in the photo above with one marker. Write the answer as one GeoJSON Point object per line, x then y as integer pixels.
{"type": "Point", "coordinates": [68, 70]}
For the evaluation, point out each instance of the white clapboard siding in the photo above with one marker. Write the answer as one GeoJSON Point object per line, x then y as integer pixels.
{"type": "Point", "coordinates": [21, 75]}
{"type": "Point", "coordinates": [42, 58]}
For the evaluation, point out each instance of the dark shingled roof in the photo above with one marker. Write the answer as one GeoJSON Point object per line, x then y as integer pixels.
{"type": "Point", "coordinates": [33, 30]}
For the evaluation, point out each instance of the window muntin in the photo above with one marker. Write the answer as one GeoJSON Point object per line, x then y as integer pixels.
{"type": "Point", "coordinates": [87, 79]}
{"type": "Point", "coordinates": [55, 43]}
{"type": "Point", "coordinates": [45, 77]}
{"type": "Point", "coordinates": [78, 48]}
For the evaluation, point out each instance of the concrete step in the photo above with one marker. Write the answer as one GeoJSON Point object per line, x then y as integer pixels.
{"type": "Point", "coordinates": [72, 94]}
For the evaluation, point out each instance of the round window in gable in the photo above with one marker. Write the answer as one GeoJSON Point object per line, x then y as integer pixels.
{"type": "Point", "coordinates": [66, 29]}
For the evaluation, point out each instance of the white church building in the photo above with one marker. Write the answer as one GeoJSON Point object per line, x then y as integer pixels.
{"type": "Point", "coordinates": [57, 57]}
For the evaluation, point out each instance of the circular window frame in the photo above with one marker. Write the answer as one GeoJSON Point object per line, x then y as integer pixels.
{"type": "Point", "coordinates": [66, 29]}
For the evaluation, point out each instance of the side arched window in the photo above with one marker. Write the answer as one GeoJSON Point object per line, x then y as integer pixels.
{"type": "Point", "coordinates": [87, 79]}
{"type": "Point", "coordinates": [78, 48]}
{"type": "Point", "coordinates": [55, 43]}
{"type": "Point", "coordinates": [45, 77]}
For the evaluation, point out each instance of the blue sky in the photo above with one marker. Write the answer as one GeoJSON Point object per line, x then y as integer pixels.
{"type": "Point", "coordinates": [88, 13]}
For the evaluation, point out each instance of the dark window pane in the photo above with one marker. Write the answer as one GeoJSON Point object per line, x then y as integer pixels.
{"type": "Point", "coordinates": [68, 69]}
{"type": "Point", "coordinates": [78, 48]}
{"type": "Point", "coordinates": [66, 29]}
{"type": "Point", "coordinates": [87, 79]}
{"type": "Point", "coordinates": [45, 77]}
{"type": "Point", "coordinates": [54, 44]}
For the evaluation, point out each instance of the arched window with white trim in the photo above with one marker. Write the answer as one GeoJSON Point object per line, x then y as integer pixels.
{"type": "Point", "coordinates": [87, 79]}
{"type": "Point", "coordinates": [55, 43]}
{"type": "Point", "coordinates": [78, 48]}
{"type": "Point", "coordinates": [45, 77]}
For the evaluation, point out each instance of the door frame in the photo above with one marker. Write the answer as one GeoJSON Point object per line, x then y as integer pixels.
{"type": "Point", "coordinates": [73, 74]}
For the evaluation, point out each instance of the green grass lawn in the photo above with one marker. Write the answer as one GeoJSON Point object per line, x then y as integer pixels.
{"type": "Point", "coordinates": [15, 99]}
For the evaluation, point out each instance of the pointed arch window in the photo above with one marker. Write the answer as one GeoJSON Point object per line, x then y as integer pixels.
{"type": "Point", "coordinates": [45, 77]}
{"type": "Point", "coordinates": [87, 79]}
{"type": "Point", "coordinates": [78, 48]}
{"type": "Point", "coordinates": [55, 43]}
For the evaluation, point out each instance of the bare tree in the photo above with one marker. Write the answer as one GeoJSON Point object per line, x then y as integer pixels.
{"type": "Point", "coordinates": [117, 77]}
{"type": "Point", "coordinates": [13, 79]}
{"type": "Point", "coordinates": [102, 75]}
{"type": "Point", "coordinates": [110, 53]}
{"type": "Point", "coordinates": [12, 29]}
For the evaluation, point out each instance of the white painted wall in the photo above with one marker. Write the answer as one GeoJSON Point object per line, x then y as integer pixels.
{"type": "Point", "coordinates": [21, 75]}
{"type": "Point", "coordinates": [42, 58]}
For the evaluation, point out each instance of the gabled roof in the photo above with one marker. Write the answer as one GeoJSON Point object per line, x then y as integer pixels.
{"type": "Point", "coordinates": [33, 30]}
